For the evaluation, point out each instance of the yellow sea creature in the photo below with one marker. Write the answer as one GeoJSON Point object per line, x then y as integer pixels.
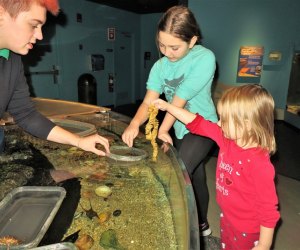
{"type": "Point", "coordinates": [72, 149]}
{"type": "Point", "coordinates": [151, 130]}
{"type": "Point", "coordinates": [103, 191]}
{"type": "Point", "coordinates": [103, 217]}
{"type": "Point", "coordinates": [89, 162]}
{"type": "Point", "coordinates": [9, 241]}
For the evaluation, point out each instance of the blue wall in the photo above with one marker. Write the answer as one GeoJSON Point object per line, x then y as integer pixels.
{"type": "Point", "coordinates": [91, 33]}
{"type": "Point", "coordinates": [148, 33]}
{"type": "Point", "coordinates": [226, 25]}
{"type": "Point", "coordinates": [274, 24]}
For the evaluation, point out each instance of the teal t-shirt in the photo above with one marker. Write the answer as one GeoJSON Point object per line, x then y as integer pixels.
{"type": "Point", "coordinates": [189, 78]}
{"type": "Point", "coordinates": [4, 53]}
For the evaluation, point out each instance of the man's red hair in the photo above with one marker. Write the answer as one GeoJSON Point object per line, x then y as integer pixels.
{"type": "Point", "coordinates": [14, 7]}
{"type": "Point", "coordinates": [50, 5]}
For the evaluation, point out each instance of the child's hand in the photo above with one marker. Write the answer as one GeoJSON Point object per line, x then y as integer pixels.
{"type": "Point", "coordinates": [160, 104]}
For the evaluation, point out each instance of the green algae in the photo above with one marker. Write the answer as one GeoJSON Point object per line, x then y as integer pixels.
{"type": "Point", "coordinates": [109, 240]}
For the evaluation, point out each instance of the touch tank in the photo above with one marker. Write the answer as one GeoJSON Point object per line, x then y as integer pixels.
{"type": "Point", "coordinates": [122, 203]}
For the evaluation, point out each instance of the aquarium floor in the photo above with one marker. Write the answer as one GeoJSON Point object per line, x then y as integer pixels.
{"type": "Point", "coordinates": [288, 186]}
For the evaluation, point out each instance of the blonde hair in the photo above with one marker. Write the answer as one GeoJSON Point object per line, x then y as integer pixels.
{"type": "Point", "coordinates": [250, 103]}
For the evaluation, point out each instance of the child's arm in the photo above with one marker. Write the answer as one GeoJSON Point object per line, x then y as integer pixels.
{"type": "Point", "coordinates": [179, 113]}
{"type": "Point", "coordinates": [265, 238]}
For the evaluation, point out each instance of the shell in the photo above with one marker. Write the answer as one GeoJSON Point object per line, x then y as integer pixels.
{"type": "Point", "coordinates": [117, 213]}
{"type": "Point", "coordinates": [85, 242]}
{"type": "Point", "coordinates": [103, 217]}
{"type": "Point", "coordinates": [103, 191]}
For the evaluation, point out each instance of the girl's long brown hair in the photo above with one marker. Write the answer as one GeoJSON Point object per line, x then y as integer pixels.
{"type": "Point", "coordinates": [180, 22]}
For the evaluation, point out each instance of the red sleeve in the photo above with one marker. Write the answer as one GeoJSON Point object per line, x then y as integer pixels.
{"type": "Point", "coordinates": [206, 128]}
{"type": "Point", "coordinates": [266, 201]}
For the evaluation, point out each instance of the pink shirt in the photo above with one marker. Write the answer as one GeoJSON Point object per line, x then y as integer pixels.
{"type": "Point", "coordinates": [245, 185]}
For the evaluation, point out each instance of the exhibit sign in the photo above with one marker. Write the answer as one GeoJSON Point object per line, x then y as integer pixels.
{"type": "Point", "coordinates": [250, 61]}
{"type": "Point", "coordinates": [111, 34]}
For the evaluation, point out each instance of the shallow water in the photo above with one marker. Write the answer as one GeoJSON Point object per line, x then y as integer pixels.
{"type": "Point", "coordinates": [138, 210]}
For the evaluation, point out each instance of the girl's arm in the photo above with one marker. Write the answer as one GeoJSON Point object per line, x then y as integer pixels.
{"type": "Point", "coordinates": [266, 199]}
{"type": "Point", "coordinates": [196, 126]}
{"type": "Point", "coordinates": [169, 120]}
{"type": "Point", "coordinates": [179, 113]}
{"type": "Point", "coordinates": [265, 238]}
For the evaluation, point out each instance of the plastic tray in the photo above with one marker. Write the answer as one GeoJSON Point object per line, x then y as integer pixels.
{"type": "Point", "coordinates": [58, 246]}
{"type": "Point", "coordinates": [126, 154]}
{"type": "Point", "coordinates": [80, 128]}
{"type": "Point", "coordinates": [27, 212]}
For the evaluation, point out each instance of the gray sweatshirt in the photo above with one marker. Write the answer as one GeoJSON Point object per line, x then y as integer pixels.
{"type": "Point", "coordinates": [15, 98]}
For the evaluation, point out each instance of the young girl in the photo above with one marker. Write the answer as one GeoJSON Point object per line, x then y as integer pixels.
{"type": "Point", "coordinates": [245, 176]}
{"type": "Point", "coordinates": [184, 75]}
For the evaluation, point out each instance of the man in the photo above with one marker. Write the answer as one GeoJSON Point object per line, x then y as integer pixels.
{"type": "Point", "coordinates": [21, 24]}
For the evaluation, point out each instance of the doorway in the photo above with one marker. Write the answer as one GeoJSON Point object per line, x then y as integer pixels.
{"type": "Point", "coordinates": [293, 97]}
{"type": "Point", "coordinates": [124, 71]}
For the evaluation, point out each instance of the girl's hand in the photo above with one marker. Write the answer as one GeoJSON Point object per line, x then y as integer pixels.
{"type": "Point", "coordinates": [165, 147]}
{"type": "Point", "coordinates": [160, 104]}
{"type": "Point", "coordinates": [258, 247]}
{"type": "Point", "coordinates": [129, 134]}
{"type": "Point", "coordinates": [265, 238]}
{"type": "Point", "coordinates": [89, 144]}
{"type": "Point", "coordinates": [165, 136]}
